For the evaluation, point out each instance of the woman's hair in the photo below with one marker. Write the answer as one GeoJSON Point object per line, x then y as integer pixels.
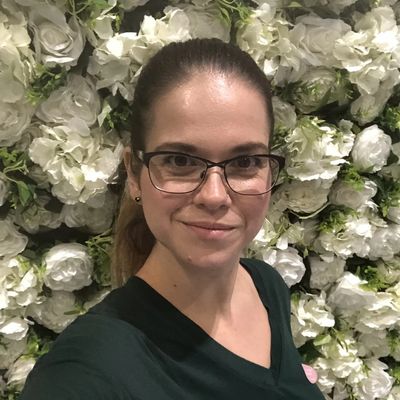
{"type": "Point", "coordinates": [174, 64]}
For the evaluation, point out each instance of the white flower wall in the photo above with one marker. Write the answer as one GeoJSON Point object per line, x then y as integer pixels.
{"type": "Point", "coordinates": [67, 73]}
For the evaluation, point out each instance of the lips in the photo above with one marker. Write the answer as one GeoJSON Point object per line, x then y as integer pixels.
{"type": "Point", "coordinates": [210, 226]}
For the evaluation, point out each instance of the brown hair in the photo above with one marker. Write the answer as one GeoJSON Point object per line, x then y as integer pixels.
{"type": "Point", "coordinates": [173, 64]}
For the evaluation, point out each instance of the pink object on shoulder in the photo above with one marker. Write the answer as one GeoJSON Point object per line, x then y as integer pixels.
{"type": "Point", "coordinates": [311, 373]}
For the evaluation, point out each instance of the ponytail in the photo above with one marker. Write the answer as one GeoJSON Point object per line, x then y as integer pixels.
{"type": "Point", "coordinates": [133, 241]}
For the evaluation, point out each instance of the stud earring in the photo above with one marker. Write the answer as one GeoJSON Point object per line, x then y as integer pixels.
{"type": "Point", "coordinates": [137, 199]}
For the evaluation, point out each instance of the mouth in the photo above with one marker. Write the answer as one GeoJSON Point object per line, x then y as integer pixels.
{"type": "Point", "coordinates": [209, 231]}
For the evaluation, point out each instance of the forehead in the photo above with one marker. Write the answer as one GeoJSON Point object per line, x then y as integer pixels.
{"type": "Point", "coordinates": [211, 112]}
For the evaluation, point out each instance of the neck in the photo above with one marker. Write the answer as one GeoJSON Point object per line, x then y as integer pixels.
{"type": "Point", "coordinates": [203, 294]}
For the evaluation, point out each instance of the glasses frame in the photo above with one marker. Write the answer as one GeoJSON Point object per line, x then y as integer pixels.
{"type": "Point", "coordinates": [145, 158]}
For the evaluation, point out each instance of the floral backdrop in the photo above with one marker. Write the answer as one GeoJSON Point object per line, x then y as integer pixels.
{"type": "Point", "coordinates": [67, 73]}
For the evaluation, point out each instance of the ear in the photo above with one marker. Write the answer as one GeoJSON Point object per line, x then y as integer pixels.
{"type": "Point", "coordinates": [132, 180]}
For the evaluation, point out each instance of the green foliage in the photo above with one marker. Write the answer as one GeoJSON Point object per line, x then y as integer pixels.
{"type": "Point", "coordinates": [370, 274]}
{"type": "Point", "coordinates": [335, 219]}
{"type": "Point", "coordinates": [349, 174]}
{"type": "Point", "coordinates": [119, 116]}
{"type": "Point", "coordinates": [390, 119]}
{"type": "Point", "coordinates": [389, 195]}
{"type": "Point", "coordinates": [99, 249]}
{"type": "Point", "coordinates": [87, 10]}
{"type": "Point", "coordinates": [14, 166]}
{"type": "Point", "coordinates": [46, 81]}
{"type": "Point", "coordinates": [394, 343]}
{"type": "Point", "coordinates": [234, 11]}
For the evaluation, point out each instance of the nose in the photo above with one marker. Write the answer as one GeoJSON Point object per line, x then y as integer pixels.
{"type": "Point", "coordinates": [214, 192]}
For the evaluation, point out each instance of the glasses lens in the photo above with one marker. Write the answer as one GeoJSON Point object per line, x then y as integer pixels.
{"type": "Point", "coordinates": [252, 174]}
{"type": "Point", "coordinates": [176, 173]}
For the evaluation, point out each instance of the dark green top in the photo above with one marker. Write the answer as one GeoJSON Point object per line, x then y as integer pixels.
{"type": "Point", "coordinates": [135, 345]}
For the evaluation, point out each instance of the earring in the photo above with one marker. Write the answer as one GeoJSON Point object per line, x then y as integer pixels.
{"type": "Point", "coordinates": [137, 199]}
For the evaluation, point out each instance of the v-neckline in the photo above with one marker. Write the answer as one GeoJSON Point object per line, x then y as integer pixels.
{"type": "Point", "coordinates": [243, 367]}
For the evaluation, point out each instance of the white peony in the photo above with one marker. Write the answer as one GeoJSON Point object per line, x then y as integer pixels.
{"type": "Point", "coordinates": [325, 270]}
{"type": "Point", "coordinates": [11, 241]}
{"type": "Point", "coordinates": [37, 217]}
{"type": "Point", "coordinates": [351, 238]}
{"type": "Point", "coordinates": [68, 267]}
{"type": "Point", "coordinates": [10, 350]}
{"type": "Point", "coordinates": [287, 262]}
{"type": "Point", "coordinates": [55, 312]}
{"type": "Point", "coordinates": [388, 271]}
{"type": "Point", "coordinates": [371, 149]}
{"type": "Point", "coordinates": [95, 219]}
{"type": "Point", "coordinates": [205, 22]}
{"type": "Point", "coordinates": [345, 194]}
{"type": "Point", "coordinates": [316, 150]}
{"type": "Point", "coordinates": [376, 383]}
{"type": "Point", "coordinates": [310, 316]}
{"type": "Point", "coordinates": [19, 284]}
{"type": "Point", "coordinates": [384, 313]}
{"type": "Point", "coordinates": [12, 325]}
{"type": "Point", "coordinates": [79, 163]}
{"type": "Point", "coordinates": [55, 40]}
{"type": "Point", "coordinates": [4, 189]}
{"type": "Point", "coordinates": [284, 115]}
{"type": "Point", "coordinates": [348, 295]}
{"type": "Point", "coordinates": [78, 99]}
{"type": "Point", "coordinates": [374, 344]}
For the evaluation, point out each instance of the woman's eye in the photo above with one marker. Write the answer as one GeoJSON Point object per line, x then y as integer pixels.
{"type": "Point", "coordinates": [245, 162]}
{"type": "Point", "coordinates": [178, 160]}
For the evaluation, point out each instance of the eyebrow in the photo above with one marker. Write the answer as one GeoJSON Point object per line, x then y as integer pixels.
{"type": "Point", "coordinates": [249, 147]}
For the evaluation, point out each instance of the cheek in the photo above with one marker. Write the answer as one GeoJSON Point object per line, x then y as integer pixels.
{"type": "Point", "coordinates": [256, 212]}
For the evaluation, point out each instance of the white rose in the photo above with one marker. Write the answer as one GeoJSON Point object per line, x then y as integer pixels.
{"type": "Point", "coordinates": [316, 37]}
{"type": "Point", "coordinates": [385, 242]}
{"type": "Point", "coordinates": [55, 312]}
{"type": "Point", "coordinates": [10, 350]}
{"type": "Point", "coordinates": [17, 374]}
{"type": "Point", "coordinates": [326, 378]}
{"type": "Point", "coordinates": [14, 118]}
{"type": "Point", "coordinates": [68, 267]}
{"type": "Point", "coordinates": [78, 99]}
{"type": "Point", "coordinates": [371, 149]}
{"type": "Point", "coordinates": [305, 197]}
{"type": "Point", "coordinates": [287, 262]}
{"type": "Point", "coordinates": [325, 270]}
{"type": "Point", "coordinates": [96, 219]}
{"type": "Point", "coordinates": [349, 296]}
{"type": "Point", "coordinates": [55, 40]}
{"type": "Point", "coordinates": [376, 383]}
{"type": "Point", "coordinates": [11, 241]}
{"type": "Point", "coordinates": [4, 189]}
{"type": "Point", "coordinates": [345, 194]}
{"type": "Point", "coordinates": [310, 316]}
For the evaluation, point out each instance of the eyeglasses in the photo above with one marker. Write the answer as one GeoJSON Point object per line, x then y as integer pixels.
{"type": "Point", "coordinates": [179, 173]}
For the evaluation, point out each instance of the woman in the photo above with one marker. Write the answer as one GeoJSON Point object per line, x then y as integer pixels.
{"type": "Point", "coordinates": [192, 320]}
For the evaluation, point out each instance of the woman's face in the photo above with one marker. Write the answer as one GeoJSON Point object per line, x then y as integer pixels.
{"type": "Point", "coordinates": [216, 117]}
